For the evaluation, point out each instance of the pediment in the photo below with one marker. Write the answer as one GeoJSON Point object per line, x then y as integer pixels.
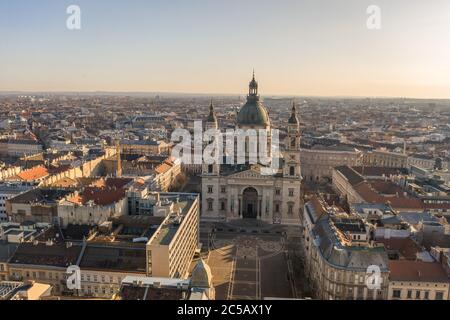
{"type": "Point", "coordinates": [248, 174]}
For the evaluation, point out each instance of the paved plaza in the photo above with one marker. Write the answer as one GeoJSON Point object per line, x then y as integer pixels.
{"type": "Point", "coordinates": [248, 262]}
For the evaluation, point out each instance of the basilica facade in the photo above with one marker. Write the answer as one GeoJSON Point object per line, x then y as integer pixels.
{"type": "Point", "coordinates": [245, 191]}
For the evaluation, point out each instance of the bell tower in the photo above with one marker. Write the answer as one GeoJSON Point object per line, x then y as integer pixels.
{"type": "Point", "coordinates": [292, 150]}
{"type": "Point", "coordinates": [211, 123]}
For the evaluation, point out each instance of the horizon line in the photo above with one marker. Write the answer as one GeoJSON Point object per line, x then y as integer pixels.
{"type": "Point", "coordinates": [118, 92]}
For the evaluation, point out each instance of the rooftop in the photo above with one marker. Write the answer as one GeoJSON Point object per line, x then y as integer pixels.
{"type": "Point", "coordinates": [57, 255]}
{"type": "Point", "coordinates": [406, 248]}
{"type": "Point", "coordinates": [182, 203]}
{"type": "Point", "coordinates": [99, 196]}
{"type": "Point", "coordinates": [344, 256]}
{"type": "Point", "coordinates": [114, 257]}
{"type": "Point", "coordinates": [41, 195]}
{"type": "Point", "coordinates": [33, 173]}
{"type": "Point", "coordinates": [406, 270]}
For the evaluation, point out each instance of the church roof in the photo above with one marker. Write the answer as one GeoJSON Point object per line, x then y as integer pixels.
{"type": "Point", "coordinates": [253, 112]}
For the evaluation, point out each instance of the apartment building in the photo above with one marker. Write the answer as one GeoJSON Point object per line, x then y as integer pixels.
{"type": "Point", "coordinates": [19, 147]}
{"type": "Point", "coordinates": [417, 280]}
{"type": "Point", "coordinates": [338, 256]}
{"type": "Point", "coordinates": [383, 158]}
{"type": "Point", "coordinates": [318, 162]}
{"type": "Point", "coordinates": [171, 248]}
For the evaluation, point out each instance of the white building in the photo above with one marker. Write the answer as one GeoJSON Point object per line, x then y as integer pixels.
{"type": "Point", "coordinates": [236, 191]}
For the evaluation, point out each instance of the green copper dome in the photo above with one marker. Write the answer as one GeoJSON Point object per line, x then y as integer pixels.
{"type": "Point", "coordinates": [253, 113]}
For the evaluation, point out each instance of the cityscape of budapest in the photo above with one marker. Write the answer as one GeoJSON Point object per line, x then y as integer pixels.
{"type": "Point", "coordinates": [243, 151]}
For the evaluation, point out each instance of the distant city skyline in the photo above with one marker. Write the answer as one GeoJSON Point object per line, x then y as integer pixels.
{"type": "Point", "coordinates": [298, 48]}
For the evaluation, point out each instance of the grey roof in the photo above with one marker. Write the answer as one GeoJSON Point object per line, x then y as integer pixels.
{"type": "Point", "coordinates": [7, 250]}
{"type": "Point", "coordinates": [358, 258]}
{"type": "Point", "coordinates": [351, 175]}
{"type": "Point", "coordinates": [416, 217]}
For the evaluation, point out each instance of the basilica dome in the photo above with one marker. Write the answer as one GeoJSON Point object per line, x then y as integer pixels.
{"type": "Point", "coordinates": [253, 113]}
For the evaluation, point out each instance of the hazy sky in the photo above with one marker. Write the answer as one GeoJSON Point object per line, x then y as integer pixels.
{"type": "Point", "coordinates": [310, 47]}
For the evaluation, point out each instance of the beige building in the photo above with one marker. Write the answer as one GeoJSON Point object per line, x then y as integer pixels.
{"type": "Point", "coordinates": [91, 206]}
{"type": "Point", "coordinates": [44, 262]}
{"type": "Point", "coordinates": [103, 267]}
{"type": "Point", "coordinates": [417, 280]}
{"type": "Point", "coordinates": [166, 174]}
{"type": "Point", "coordinates": [19, 148]}
{"type": "Point", "coordinates": [318, 162]}
{"type": "Point", "coordinates": [171, 248]}
{"type": "Point", "coordinates": [37, 205]}
{"type": "Point", "coordinates": [345, 179]}
{"type": "Point", "coordinates": [383, 158]}
{"type": "Point", "coordinates": [145, 147]}
{"type": "Point", "coordinates": [338, 255]}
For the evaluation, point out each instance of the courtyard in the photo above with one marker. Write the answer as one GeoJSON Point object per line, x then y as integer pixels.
{"type": "Point", "coordinates": [250, 261]}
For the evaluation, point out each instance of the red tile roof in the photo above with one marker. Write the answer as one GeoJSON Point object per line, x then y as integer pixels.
{"type": "Point", "coordinates": [406, 270]}
{"type": "Point", "coordinates": [99, 196]}
{"type": "Point", "coordinates": [405, 246]}
{"type": "Point", "coordinates": [163, 168]}
{"type": "Point", "coordinates": [370, 195]}
{"type": "Point", "coordinates": [33, 173]}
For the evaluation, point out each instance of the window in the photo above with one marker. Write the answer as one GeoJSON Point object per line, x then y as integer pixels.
{"type": "Point", "coordinates": [290, 208]}
{"type": "Point", "coordinates": [277, 192]}
{"type": "Point", "coordinates": [223, 189]}
{"type": "Point", "coordinates": [222, 205]}
{"type": "Point", "coordinates": [426, 295]}
{"type": "Point", "coordinates": [396, 294]}
{"type": "Point", "coordinates": [292, 171]}
{"type": "Point", "coordinates": [417, 294]}
{"type": "Point", "coordinates": [409, 296]}
{"type": "Point", "coordinates": [291, 192]}
{"type": "Point", "coordinates": [210, 205]}
{"type": "Point", "coordinates": [210, 168]}
{"type": "Point", "coordinates": [210, 189]}
{"type": "Point", "coordinates": [439, 296]}
{"type": "Point", "coordinates": [277, 208]}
